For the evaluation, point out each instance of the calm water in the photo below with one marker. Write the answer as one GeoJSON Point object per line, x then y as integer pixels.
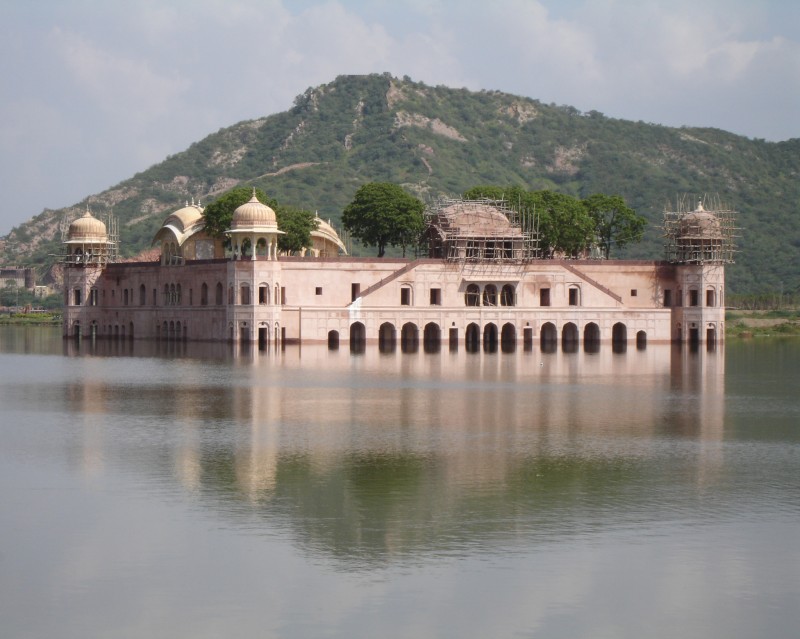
{"type": "Point", "coordinates": [194, 491]}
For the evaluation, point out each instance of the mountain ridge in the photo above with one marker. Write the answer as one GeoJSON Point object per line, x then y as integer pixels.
{"type": "Point", "coordinates": [441, 141]}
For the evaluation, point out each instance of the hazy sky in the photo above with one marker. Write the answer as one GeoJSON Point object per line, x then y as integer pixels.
{"type": "Point", "coordinates": [94, 91]}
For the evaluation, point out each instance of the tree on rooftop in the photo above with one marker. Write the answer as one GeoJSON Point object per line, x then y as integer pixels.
{"type": "Point", "coordinates": [615, 222]}
{"type": "Point", "coordinates": [383, 214]}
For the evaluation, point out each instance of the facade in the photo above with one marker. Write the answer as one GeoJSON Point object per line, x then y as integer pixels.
{"type": "Point", "coordinates": [483, 286]}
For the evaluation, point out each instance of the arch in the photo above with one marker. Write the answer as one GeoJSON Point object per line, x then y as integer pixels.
{"type": "Point", "coordinates": [261, 247]}
{"type": "Point", "coordinates": [472, 338]}
{"type": "Point", "coordinates": [358, 337]}
{"type": "Point", "coordinates": [178, 331]}
{"type": "Point", "coordinates": [569, 337]}
{"type": "Point", "coordinates": [333, 340]}
{"type": "Point", "coordinates": [246, 248]}
{"type": "Point", "coordinates": [130, 332]}
{"type": "Point", "coordinates": [472, 297]}
{"type": "Point", "coordinates": [490, 337]}
{"type": "Point", "coordinates": [641, 340]}
{"type": "Point", "coordinates": [490, 295]}
{"type": "Point", "coordinates": [244, 294]}
{"type": "Point", "coordinates": [218, 295]}
{"type": "Point", "coordinates": [231, 294]}
{"type": "Point", "coordinates": [711, 296]}
{"type": "Point", "coordinates": [142, 295]}
{"type": "Point", "coordinates": [619, 337]}
{"type": "Point", "coordinates": [711, 337]}
{"type": "Point", "coordinates": [591, 338]}
{"type": "Point", "coordinates": [166, 295]}
{"type": "Point", "coordinates": [263, 293]}
{"type": "Point", "coordinates": [166, 330]}
{"type": "Point", "coordinates": [204, 294]}
{"type": "Point", "coordinates": [178, 294]}
{"type": "Point", "coordinates": [409, 338]}
{"type": "Point", "coordinates": [387, 338]}
{"type": "Point", "coordinates": [171, 329]}
{"type": "Point", "coordinates": [508, 295]}
{"type": "Point", "coordinates": [432, 337]}
{"type": "Point", "coordinates": [548, 337]}
{"type": "Point", "coordinates": [508, 338]}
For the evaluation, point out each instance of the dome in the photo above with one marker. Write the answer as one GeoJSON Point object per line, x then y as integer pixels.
{"type": "Point", "coordinates": [700, 224]}
{"type": "Point", "coordinates": [87, 229]}
{"type": "Point", "coordinates": [324, 235]}
{"type": "Point", "coordinates": [185, 218]}
{"type": "Point", "coordinates": [477, 218]}
{"type": "Point", "coordinates": [254, 215]}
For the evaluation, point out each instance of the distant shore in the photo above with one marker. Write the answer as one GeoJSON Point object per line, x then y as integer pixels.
{"type": "Point", "coordinates": [31, 319]}
{"type": "Point", "coordinates": [745, 324]}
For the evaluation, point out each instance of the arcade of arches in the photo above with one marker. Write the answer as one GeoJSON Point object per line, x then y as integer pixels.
{"type": "Point", "coordinates": [491, 336]}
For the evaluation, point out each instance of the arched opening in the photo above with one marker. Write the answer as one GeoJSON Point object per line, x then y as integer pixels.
{"type": "Point", "coordinates": [409, 338]}
{"type": "Point", "coordinates": [178, 331]}
{"type": "Point", "coordinates": [508, 338]}
{"type": "Point", "coordinates": [473, 295]}
{"type": "Point", "coordinates": [591, 338]}
{"type": "Point", "coordinates": [142, 295]}
{"type": "Point", "coordinates": [218, 295]}
{"type": "Point", "coordinates": [247, 247]}
{"type": "Point", "coordinates": [263, 293]}
{"type": "Point", "coordinates": [490, 295]}
{"type": "Point", "coordinates": [178, 294]}
{"type": "Point", "coordinates": [358, 337]}
{"type": "Point", "coordinates": [432, 338]}
{"type": "Point", "coordinates": [507, 296]}
{"type": "Point", "coordinates": [76, 330]}
{"type": "Point", "coordinates": [548, 338]}
{"type": "Point", "coordinates": [711, 297]}
{"type": "Point", "coordinates": [490, 338]}
{"type": "Point", "coordinates": [406, 295]}
{"type": "Point", "coordinates": [130, 332]}
{"type": "Point", "coordinates": [641, 340]}
{"type": "Point", "coordinates": [711, 337]}
{"type": "Point", "coordinates": [263, 337]}
{"type": "Point", "coordinates": [244, 294]}
{"type": "Point", "coordinates": [333, 340]}
{"type": "Point", "coordinates": [387, 338]}
{"type": "Point", "coordinates": [619, 337]}
{"type": "Point", "coordinates": [472, 338]}
{"type": "Point", "coordinates": [204, 294]}
{"type": "Point", "coordinates": [527, 338]}
{"type": "Point", "coordinates": [165, 330]}
{"type": "Point", "coordinates": [261, 247]}
{"type": "Point", "coordinates": [171, 330]}
{"type": "Point", "coordinates": [569, 338]}
{"type": "Point", "coordinates": [231, 295]}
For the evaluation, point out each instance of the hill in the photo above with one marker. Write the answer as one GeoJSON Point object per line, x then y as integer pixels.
{"type": "Point", "coordinates": [439, 140]}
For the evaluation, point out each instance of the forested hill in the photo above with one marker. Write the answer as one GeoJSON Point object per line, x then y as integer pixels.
{"type": "Point", "coordinates": [438, 140]}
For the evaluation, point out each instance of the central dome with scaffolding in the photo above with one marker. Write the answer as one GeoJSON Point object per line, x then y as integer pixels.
{"type": "Point", "coordinates": [478, 231]}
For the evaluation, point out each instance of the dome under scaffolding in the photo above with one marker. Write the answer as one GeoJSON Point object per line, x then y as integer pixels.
{"type": "Point", "coordinates": [88, 240]}
{"type": "Point", "coordinates": [703, 234]}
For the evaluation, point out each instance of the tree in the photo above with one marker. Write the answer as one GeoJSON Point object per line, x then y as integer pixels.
{"type": "Point", "coordinates": [219, 214]}
{"type": "Point", "coordinates": [383, 214]}
{"type": "Point", "coordinates": [614, 221]}
{"type": "Point", "coordinates": [297, 225]}
{"type": "Point", "coordinates": [564, 225]}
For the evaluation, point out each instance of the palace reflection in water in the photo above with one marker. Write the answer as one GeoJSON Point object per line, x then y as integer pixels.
{"type": "Point", "coordinates": [370, 455]}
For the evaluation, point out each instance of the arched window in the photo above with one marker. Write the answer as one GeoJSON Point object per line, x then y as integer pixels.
{"type": "Point", "coordinates": [244, 294]}
{"type": "Point", "coordinates": [142, 295]}
{"type": "Point", "coordinates": [218, 297]}
{"type": "Point", "coordinates": [178, 294]}
{"type": "Point", "coordinates": [507, 296]}
{"type": "Point", "coordinates": [387, 338]}
{"type": "Point", "coordinates": [204, 294]}
{"type": "Point", "coordinates": [473, 295]}
{"type": "Point", "coordinates": [490, 295]}
{"type": "Point", "coordinates": [406, 295]}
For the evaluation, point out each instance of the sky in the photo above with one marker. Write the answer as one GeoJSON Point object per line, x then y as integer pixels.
{"type": "Point", "coordinates": [94, 91]}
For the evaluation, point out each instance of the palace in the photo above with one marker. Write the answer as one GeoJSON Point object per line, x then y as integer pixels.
{"type": "Point", "coordinates": [482, 285]}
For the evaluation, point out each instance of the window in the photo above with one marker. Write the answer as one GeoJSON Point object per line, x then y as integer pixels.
{"type": "Point", "coordinates": [283, 295]}
{"type": "Point", "coordinates": [125, 297]}
{"type": "Point", "coordinates": [694, 297]}
{"type": "Point", "coordinates": [218, 297]}
{"type": "Point", "coordinates": [668, 297]}
{"type": "Point", "coordinates": [507, 296]}
{"type": "Point", "coordinates": [436, 297]}
{"type": "Point", "coordinates": [142, 295]}
{"type": "Point", "coordinates": [634, 292]}
{"type": "Point", "coordinates": [155, 297]}
{"type": "Point", "coordinates": [355, 291]}
{"type": "Point", "coordinates": [245, 294]}
{"type": "Point", "coordinates": [710, 297]}
{"type": "Point", "coordinates": [93, 297]}
{"type": "Point", "coordinates": [544, 297]}
{"type": "Point", "coordinates": [204, 294]}
{"type": "Point", "coordinates": [490, 295]}
{"type": "Point", "coordinates": [318, 290]}
{"type": "Point", "coordinates": [573, 296]}
{"type": "Point", "coordinates": [473, 295]}
{"type": "Point", "coordinates": [76, 297]}
{"type": "Point", "coordinates": [263, 294]}
{"type": "Point", "coordinates": [405, 296]}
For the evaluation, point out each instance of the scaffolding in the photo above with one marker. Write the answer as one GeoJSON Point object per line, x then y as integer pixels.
{"type": "Point", "coordinates": [482, 230]}
{"type": "Point", "coordinates": [96, 249]}
{"type": "Point", "coordinates": [700, 231]}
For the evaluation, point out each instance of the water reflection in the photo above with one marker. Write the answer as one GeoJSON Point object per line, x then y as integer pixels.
{"type": "Point", "coordinates": [382, 454]}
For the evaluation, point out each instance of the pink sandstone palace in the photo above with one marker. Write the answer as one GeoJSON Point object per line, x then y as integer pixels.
{"type": "Point", "coordinates": [481, 286]}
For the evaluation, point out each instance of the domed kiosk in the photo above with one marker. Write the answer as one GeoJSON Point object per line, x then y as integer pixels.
{"type": "Point", "coordinates": [254, 231]}
{"type": "Point", "coordinates": [88, 242]}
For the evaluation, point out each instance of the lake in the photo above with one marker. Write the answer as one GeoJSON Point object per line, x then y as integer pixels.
{"type": "Point", "coordinates": [193, 490]}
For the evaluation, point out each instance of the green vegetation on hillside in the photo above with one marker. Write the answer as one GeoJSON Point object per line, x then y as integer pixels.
{"type": "Point", "coordinates": [437, 141]}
